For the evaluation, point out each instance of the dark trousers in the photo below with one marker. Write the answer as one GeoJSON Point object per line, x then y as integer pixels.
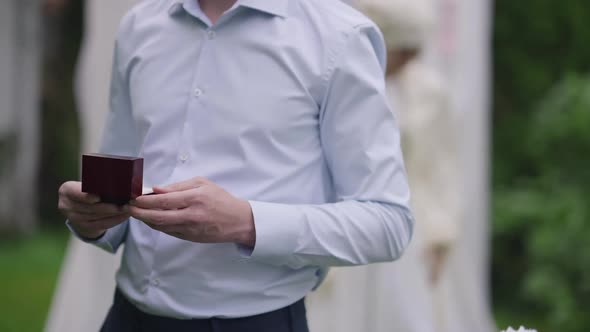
{"type": "Point", "coordinates": [125, 317]}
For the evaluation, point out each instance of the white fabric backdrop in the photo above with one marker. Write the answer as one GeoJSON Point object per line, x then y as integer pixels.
{"type": "Point", "coordinates": [462, 51]}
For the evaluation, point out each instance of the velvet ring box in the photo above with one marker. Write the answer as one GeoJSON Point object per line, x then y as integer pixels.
{"type": "Point", "coordinates": [115, 179]}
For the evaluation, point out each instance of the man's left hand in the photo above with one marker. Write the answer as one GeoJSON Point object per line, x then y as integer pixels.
{"type": "Point", "coordinates": [197, 210]}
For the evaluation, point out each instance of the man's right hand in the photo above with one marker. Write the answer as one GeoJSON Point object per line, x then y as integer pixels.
{"type": "Point", "coordinates": [87, 215]}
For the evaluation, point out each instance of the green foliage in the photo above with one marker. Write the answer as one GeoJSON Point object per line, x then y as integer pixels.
{"type": "Point", "coordinates": [541, 218]}
{"type": "Point", "coordinates": [535, 43]}
{"type": "Point", "coordinates": [60, 133]}
{"type": "Point", "coordinates": [560, 132]}
{"type": "Point", "coordinates": [541, 267]}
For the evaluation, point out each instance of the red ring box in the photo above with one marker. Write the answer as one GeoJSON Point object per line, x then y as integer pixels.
{"type": "Point", "coordinates": [115, 179]}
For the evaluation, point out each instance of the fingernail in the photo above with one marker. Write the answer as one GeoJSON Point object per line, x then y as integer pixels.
{"type": "Point", "coordinates": [159, 190]}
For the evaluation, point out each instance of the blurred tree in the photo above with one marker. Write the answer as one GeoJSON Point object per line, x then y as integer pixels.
{"type": "Point", "coordinates": [19, 91]}
{"type": "Point", "coordinates": [535, 43]}
{"type": "Point", "coordinates": [541, 174]}
{"type": "Point", "coordinates": [60, 124]}
{"type": "Point", "coordinates": [543, 218]}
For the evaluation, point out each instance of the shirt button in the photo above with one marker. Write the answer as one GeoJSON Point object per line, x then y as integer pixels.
{"type": "Point", "coordinates": [198, 92]}
{"type": "Point", "coordinates": [183, 157]}
{"type": "Point", "coordinates": [156, 282]}
{"type": "Point", "coordinates": [210, 34]}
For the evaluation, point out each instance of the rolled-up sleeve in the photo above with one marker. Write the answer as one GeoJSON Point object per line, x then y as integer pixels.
{"type": "Point", "coordinates": [371, 220]}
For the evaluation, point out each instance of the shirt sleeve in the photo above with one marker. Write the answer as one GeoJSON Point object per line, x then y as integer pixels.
{"type": "Point", "coordinates": [119, 138]}
{"type": "Point", "coordinates": [370, 220]}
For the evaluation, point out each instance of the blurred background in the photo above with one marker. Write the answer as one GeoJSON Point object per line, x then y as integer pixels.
{"type": "Point", "coordinates": [536, 175]}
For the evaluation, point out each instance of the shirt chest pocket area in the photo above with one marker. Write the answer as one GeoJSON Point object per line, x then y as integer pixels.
{"type": "Point", "coordinates": [269, 100]}
{"type": "Point", "coordinates": [158, 93]}
{"type": "Point", "coordinates": [222, 95]}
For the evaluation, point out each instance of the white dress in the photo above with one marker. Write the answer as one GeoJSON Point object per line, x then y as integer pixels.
{"type": "Point", "coordinates": [398, 296]}
{"type": "Point", "coordinates": [86, 285]}
{"type": "Point", "coordinates": [462, 50]}
{"type": "Point", "coordinates": [432, 155]}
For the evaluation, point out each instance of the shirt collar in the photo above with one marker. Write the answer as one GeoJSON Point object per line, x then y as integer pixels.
{"type": "Point", "coordinates": [273, 7]}
{"type": "Point", "coordinates": [175, 8]}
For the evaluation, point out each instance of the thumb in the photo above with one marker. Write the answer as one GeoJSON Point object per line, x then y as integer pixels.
{"type": "Point", "coordinates": [89, 198]}
{"type": "Point", "coordinates": [181, 186]}
{"type": "Point", "coordinates": [73, 191]}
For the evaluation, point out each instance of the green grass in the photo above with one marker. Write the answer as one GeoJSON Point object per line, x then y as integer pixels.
{"type": "Point", "coordinates": [28, 271]}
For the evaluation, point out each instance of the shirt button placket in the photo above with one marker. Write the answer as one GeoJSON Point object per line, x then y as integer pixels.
{"type": "Point", "coordinates": [198, 92]}
{"type": "Point", "coordinates": [211, 34]}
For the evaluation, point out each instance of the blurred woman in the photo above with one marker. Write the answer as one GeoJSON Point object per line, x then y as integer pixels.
{"type": "Point", "coordinates": [423, 108]}
{"type": "Point", "coordinates": [405, 295]}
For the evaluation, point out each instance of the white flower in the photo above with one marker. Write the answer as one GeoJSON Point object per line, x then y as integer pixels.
{"type": "Point", "coordinates": [521, 329]}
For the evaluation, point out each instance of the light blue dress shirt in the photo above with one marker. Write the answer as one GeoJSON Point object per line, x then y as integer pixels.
{"type": "Point", "coordinates": [281, 102]}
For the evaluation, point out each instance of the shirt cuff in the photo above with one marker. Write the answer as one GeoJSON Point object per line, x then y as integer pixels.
{"type": "Point", "coordinates": [278, 228]}
{"type": "Point", "coordinates": [109, 241]}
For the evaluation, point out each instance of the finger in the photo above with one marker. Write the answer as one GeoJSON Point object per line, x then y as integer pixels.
{"type": "Point", "coordinates": [177, 234]}
{"type": "Point", "coordinates": [102, 209]}
{"type": "Point", "coordinates": [81, 218]}
{"type": "Point", "coordinates": [110, 222]}
{"type": "Point", "coordinates": [157, 217]}
{"type": "Point", "coordinates": [168, 201]}
{"type": "Point", "coordinates": [167, 228]}
{"type": "Point", "coordinates": [73, 191]}
{"type": "Point", "coordinates": [181, 186]}
{"type": "Point", "coordinates": [103, 224]}
{"type": "Point", "coordinates": [78, 218]}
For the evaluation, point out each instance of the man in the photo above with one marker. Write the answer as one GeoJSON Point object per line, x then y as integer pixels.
{"type": "Point", "coordinates": [269, 121]}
